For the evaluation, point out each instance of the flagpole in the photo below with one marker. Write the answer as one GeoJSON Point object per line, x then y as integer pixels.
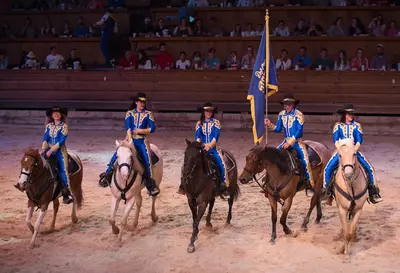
{"type": "Point", "coordinates": [267, 50]}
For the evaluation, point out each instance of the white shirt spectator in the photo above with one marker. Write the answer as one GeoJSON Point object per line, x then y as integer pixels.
{"type": "Point", "coordinates": [283, 65]}
{"type": "Point", "coordinates": [281, 31]}
{"type": "Point", "coordinates": [147, 65]}
{"type": "Point", "coordinates": [197, 3]}
{"type": "Point", "coordinates": [54, 61]}
{"type": "Point", "coordinates": [30, 63]}
{"type": "Point", "coordinates": [248, 33]}
{"type": "Point", "coordinates": [182, 65]}
{"type": "Point", "coordinates": [245, 3]}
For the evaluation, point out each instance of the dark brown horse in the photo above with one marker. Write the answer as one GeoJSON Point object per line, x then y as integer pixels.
{"type": "Point", "coordinates": [281, 183]}
{"type": "Point", "coordinates": [201, 187]}
{"type": "Point", "coordinates": [37, 180]}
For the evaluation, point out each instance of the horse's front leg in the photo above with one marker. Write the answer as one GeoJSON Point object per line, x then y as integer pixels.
{"type": "Point", "coordinates": [56, 205]}
{"type": "Point", "coordinates": [314, 200]}
{"type": "Point", "coordinates": [37, 225]}
{"type": "Point", "coordinates": [154, 216]}
{"type": "Point", "coordinates": [230, 204]}
{"type": "Point", "coordinates": [285, 211]}
{"type": "Point", "coordinates": [353, 224]}
{"type": "Point", "coordinates": [200, 212]}
{"type": "Point", "coordinates": [210, 208]}
{"type": "Point", "coordinates": [274, 211]}
{"type": "Point", "coordinates": [191, 248]}
{"type": "Point", "coordinates": [29, 214]}
{"type": "Point", "coordinates": [114, 208]}
{"type": "Point", "coordinates": [346, 236]}
{"type": "Point", "coordinates": [128, 207]}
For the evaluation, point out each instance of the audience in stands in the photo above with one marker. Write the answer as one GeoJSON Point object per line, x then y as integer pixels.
{"type": "Point", "coordinates": [115, 4]}
{"type": "Point", "coordinates": [147, 29]}
{"type": "Point", "coordinates": [54, 60]}
{"type": "Point", "coordinates": [161, 30]}
{"type": "Point", "coordinates": [31, 62]}
{"type": "Point", "coordinates": [338, 28]}
{"type": "Point", "coordinates": [73, 61]}
{"type": "Point", "coordinates": [283, 63]}
{"type": "Point", "coordinates": [259, 30]}
{"type": "Point", "coordinates": [357, 28]}
{"type": "Point", "coordinates": [314, 29]}
{"type": "Point", "coordinates": [380, 61]}
{"type": "Point", "coordinates": [81, 30]}
{"type": "Point", "coordinates": [232, 63]}
{"type": "Point", "coordinates": [281, 29]}
{"type": "Point", "coordinates": [199, 29]}
{"type": "Point", "coordinates": [249, 59]}
{"type": "Point", "coordinates": [183, 30]}
{"type": "Point", "coordinates": [197, 3]}
{"type": "Point", "coordinates": [214, 29]}
{"type": "Point", "coordinates": [323, 62]}
{"type": "Point", "coordinates": [95, 4]}
{"type": "Point", "coordinates": [164, 59]}
{"type": "Point", "coordinates": [47, 30]}
{"type": "Point", "coordinates": [28, 31]}
{"type": "Point", "coordinates": [342, 62]}
{"type": "Point", "coordinates": [211, 62]}
{"type": "Point", "coordinates": [237, 32]}
{"type": "Point", "coordinates": [182, 63]}
{"type": "Point", "coordinates": [6, 31]}
{"type": "Point", "coordinates": [392, 30]}
{"type": "Point", "coordinates": [249, 30]}
{"type": "Point", "coordinates": [377, 26]}
{"type": "Point", "coordinates": [3, 60]}
{"type": "Point", "coordinates": [301, 28]}
{"type": "Point", "coordinates": [144, 61]}
{"type": "Point", "coordinates": [302, 61]}
{"type": "Point", "coordinates": [197, 62]}
{"type": "Point", "coordinates": [66, 31]}
{"type": "Point", "coordinates": [128, 61]}
{"type": "Point", "coordinates": [359, 62]}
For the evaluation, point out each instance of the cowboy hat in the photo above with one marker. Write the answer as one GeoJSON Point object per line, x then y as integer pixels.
{"type": "Point", "coordinates": [50, 111]}
{"type": "Point", "coordinates": [289, 98]}
{"type": "Point", "coordinates": [31, 55]}
{"type": "Point", "coordinates": [207, 106]}
{"type": "Point", "coordinates": [140, 97]}
{"type": "Point", "coordinates": [347, 109]}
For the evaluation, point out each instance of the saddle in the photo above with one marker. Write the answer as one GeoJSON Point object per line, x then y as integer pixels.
{"type": "Point", "coordinates": [213, 169]}
{"type": "Point", "coordinates": [153, 156]}
{"type": "Point", "coordinates": [297, 165]}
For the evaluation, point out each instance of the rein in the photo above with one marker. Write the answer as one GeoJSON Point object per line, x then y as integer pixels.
{"type": "Point", "coordinates": [345, 194]}
{"type": "Point", "coordinates": [131, 179]}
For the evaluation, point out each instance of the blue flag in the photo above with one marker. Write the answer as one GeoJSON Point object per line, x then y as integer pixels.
{"type": "Point", "coordinates": [263, 81]}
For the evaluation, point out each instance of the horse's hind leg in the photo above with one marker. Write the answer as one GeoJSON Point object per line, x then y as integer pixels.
{"type": "Point", "coordinates": [229, 218]}
{"type": "Point", "coordinates": [138, 201]}
{"type": "Point", "coordinates": [56, 205]}
{"type": "Point", "coordinates": [319, 211]}
{"type": "Point", "coordinates": [154, 216]}
{"type": "Point", "coordinates": [210, 208]}
{"type": "Point", "coordinates": [114, 208]}
{"type": "Point", "coordinates": [37, 225]}
{"type": "Point", "coordinates": [29, 214]}
{"type": "Point", "coordinates": [313, 203]}
{"type": "Point", "coordinates": [285, 212]}
{"type": "Point", "coordinates": [74, 218]}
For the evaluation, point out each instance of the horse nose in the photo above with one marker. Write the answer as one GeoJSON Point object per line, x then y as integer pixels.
{"type": "Point", "coordinates": [124, 176]}
{"type": "Point", "coordinates": [242, 180]}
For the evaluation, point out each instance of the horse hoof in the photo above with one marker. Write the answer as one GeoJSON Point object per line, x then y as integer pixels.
{"type": "Point", "coordinates": [115, 230]}
{"type": "Point", "coordinates": [154, 219]}
{"type": "Point", "coordinates": [209, 226]}
{"type": "Point", "coordinates": [346, 259]}
{"type": "Point", "coordinates": [272, 241]}
{"type": "Point", "coordinates": [304, 228]}
{"type": "Point", "coordinates": [288, 231]}
{"type": "Point", "coordinates": [32, 245]}
{"type": "Point", "coordinates": [317, 222]}
{"type": "Point", "coordinates": [191, 249]}
{"type": "Point", "coordinates": [228, 224]}
{"type": "Point", "coordinates": [130, 228]}
{"type": "Point", "coordinates": [74, 219]}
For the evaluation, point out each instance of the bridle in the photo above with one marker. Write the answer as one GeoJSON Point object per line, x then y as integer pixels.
{"type": "Point", "coordinates": [131, 177]}
{"type": "Point", "coordinates": [28, 182]}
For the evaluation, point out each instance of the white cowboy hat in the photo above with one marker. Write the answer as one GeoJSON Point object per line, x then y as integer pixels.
{"type": "Point", "coordinates": [31, 55]}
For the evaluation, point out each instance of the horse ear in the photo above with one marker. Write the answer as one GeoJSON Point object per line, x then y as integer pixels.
{"type": "Point", "coordinates": [117, 143]}
{"type": "Point", "coordinates": [187, 141]}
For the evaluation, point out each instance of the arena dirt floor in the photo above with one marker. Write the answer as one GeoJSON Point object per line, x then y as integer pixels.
{"type": "Point", "coordinates": [89, 245]}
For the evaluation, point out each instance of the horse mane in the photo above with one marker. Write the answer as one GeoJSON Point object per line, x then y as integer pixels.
{"type": "Point", "coordinates": [32, 152]}
{"type": "Point", "coordinates": [349, 142]}
{"type": "Point", "coordinates": [278, 157]}
{"type": "Point", "coordinates": [129, 145]}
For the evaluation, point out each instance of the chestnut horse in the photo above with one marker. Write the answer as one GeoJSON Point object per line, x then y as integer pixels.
{"type": "Point", "coordinates": [281, 183]}
{"type": "Point", "coordinates": [37, 180]}
{"type": "Point", "coordinates": [127, 184]}
{"type": "Point", "coordinates": [350, 188]}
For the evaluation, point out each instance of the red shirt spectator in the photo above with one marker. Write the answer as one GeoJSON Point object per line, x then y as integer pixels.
{"type": "Point", "coordinates": [95, 4]}
{"type": "Point", "coordinates": [129, 60]}
{"type": "Point", "coordinates": [164, 59]}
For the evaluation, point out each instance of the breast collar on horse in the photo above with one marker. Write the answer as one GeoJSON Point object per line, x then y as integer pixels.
{"type": "Point", "coordinates": [131, 178]}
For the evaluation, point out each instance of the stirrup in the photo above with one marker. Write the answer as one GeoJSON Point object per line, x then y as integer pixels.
{"type": "Point", "coordinates": [375, 199]}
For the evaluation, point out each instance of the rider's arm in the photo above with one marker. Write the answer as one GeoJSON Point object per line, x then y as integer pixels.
{"type": "Point", "coordinates": [128, 125]}
{"type": "Point", "coordinates": [336, 135]}
{"type": "Point", "coordinates": [278, 127]}
{"type": "Point", "coordinates": [63, 138]}
{"type": "Point", "coordinates": [216, 132]}
{"type": "Point", "coordinates": [45, 144]}
{"type": "Point", "coordinates": [299, 124]}
{"type": "Point", "coordinates": [151, 125]}
{"type": "Point", "coordinates": [358, 136]}
{"type": "Point", "coordinates": [197, 132]}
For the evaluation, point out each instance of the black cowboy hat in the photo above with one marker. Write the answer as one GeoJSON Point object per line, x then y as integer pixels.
{"type": "Point", "coordinates": [140, 97]}
{"type": "Point", "coordinates": [50, 111]}
{"type": "Point", "coordinates": [287, 98]}
{"type": "Point", "coordinates": [207, 106]}
{"type": "Point", "coordinates": [347, 109]}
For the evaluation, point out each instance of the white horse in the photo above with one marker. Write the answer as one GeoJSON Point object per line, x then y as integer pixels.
{"type": "Point", "coordinates": [127, 184]}
{"type": "Point", "coordinates": [351, 192]}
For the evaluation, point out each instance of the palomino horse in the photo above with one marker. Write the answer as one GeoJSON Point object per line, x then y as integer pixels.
{"type": "Point", "coordinates": [200, 186]}
{"type": "Point", "coordinates": [37, 180]}
{"type": "Point", "coordinates": [282, 183]}
{"type": "Point", "coordinates": [350, 190]}
{"type": "Point", "coordinates": [127, 184]}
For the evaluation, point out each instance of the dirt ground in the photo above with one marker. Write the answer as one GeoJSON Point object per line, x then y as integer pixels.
{"type": "Point", "coordinates": [89, 245]}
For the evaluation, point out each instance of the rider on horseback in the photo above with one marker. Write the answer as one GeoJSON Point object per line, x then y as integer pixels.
{"type": "Point", "coordinates": [139, 123]}
{"type": "Point", "coordinates": [207, 132]}
{"type": "Point", "coordinates": [53, 145]}
{"type": "Point", "coordinates": [349, 128]}
{"type": "Point", "coordinates": [292, 121]}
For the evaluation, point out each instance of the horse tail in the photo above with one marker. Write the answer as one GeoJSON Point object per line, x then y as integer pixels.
{"type": "Point", "coordinates": [234, 186]}
{"type": "Point", "coordinates": [76, 182]}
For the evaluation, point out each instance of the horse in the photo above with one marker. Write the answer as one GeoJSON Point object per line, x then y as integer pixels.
{"type": "Point", "coordinates": [201, 186]}
{"type": "Point", "coordinates": [127, 184]}
{"type": "Point", "coordinates": [282, 182]}
{"type": "Point", "coordinates": [351, 192]}
{"type": "Point", "coordinates": [37, 178]}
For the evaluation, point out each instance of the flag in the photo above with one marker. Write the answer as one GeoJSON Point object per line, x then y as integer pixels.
{"type": "Point", "coordinates": [263, 81]}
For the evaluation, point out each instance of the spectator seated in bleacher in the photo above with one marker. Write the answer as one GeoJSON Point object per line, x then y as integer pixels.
{"type": "Point", "coordinates": [31, 62]}
{"type": "Point", "coordinates": [144, 61]}
{"type": "Point", "coordinates": [183, 62]}
{"type": "Point", "coordinates": [3, 60]}
{"type": "Point", "coordinates": [302, 61]}
{"type": "Point", "coordinates": [81, 30]}
{"type": "Point", "coordinates": [164, 59]}
{"type": "Point", "coordinates": [380, 61]}
{"type": "Point", "coordinates": [342, 62]}
{"type": "Point", "coordinates": [283, 63]}
{"type": "Point", "coordinates": [128, 61]}
{"type": "Point", "coordinates": [72, 59]}
{"type": "Point", "coordinates": [323, 62]}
